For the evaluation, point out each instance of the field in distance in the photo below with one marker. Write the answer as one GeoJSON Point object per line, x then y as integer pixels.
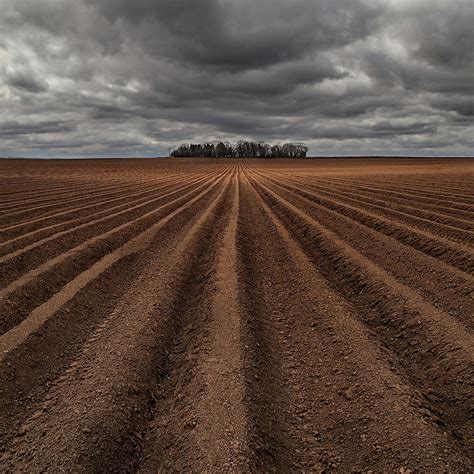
{"type": "Point", "coordinates": [230, 314]}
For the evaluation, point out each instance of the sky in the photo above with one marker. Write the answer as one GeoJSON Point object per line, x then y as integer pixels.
{"type": "Point", "coordinates": [85, 78]}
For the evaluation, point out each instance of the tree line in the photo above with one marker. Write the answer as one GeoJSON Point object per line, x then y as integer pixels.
{"type": "Point", "coordinates": [241, 149]}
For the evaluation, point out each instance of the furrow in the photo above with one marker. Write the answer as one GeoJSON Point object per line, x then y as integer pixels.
{"type": "Point", "coordinates": [381, 200]}
{"type": "Point", "coordinates": [35, 196]}
{"type": "Point", "coordinates": [420, 335]}
{"type": "Point", "coordinates": [432, 188]}
{"type": "Point", "coordinates": [244, 315]}
{"type": "Point", "coordinates": [28, 371]}
{"type": "Point", "coordinates": [16, 300]}
{"type": "Point", "coordinates": [79, 190]}
{"type": "Point", "coordinates": [348, 405]}
{"type": "Point", "coordinates": [281, 439]}
{"type": "Point", "coordinates": [28, 227]}
{"type": "Point", "coordinates": [454, 294]}
{"type": "Point", "coordinates": [457, 255]}
{"type": "Point", "coordinates": [212, 381]}
{"type": "Point", "coordinates": [11, 217]}
{"type": "Point", "coordinates": [224, 428]}
{"type": "Point", "coordinates": [15, 243]}
{"type": "Point", "coordinates": [125, 361]}
{"type": "Point", "coordinates": [445, 230]}
{"type": "Point", "coordinates": [460, 209]}
{"type": "Point", "coordinates": [70, 237]}
{"type": "Point", "coordinates": [437, 193]}
{"type": "Point", "coordinates": [64, 196]}
{"type": "Point", "coordinates": [39, 193]}
{"type": "Point", "coordinates": [23, 218]}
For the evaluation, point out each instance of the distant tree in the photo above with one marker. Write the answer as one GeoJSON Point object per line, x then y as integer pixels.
{"type": "Point", "coordinates": [221, 150]}
{"type": "Point", "coordinates": [240, 149]}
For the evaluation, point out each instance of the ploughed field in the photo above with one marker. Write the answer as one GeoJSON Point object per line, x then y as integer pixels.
{"type": "Point", "coordinates": [239, 315]}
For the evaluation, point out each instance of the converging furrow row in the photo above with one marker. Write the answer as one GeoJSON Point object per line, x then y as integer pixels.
{"type": "Point", "coordinates": [239, 315]}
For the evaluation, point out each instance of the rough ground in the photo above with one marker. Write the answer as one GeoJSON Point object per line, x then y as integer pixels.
{"type": "Point", "coordinates": [236, 315]}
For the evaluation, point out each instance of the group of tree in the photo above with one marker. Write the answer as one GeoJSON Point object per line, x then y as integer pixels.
{"type": "Point", "coordinates": [241, 149]}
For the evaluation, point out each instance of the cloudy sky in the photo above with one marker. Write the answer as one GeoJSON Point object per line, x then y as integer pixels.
{"type": "Point", "coordinates": [134, 77]}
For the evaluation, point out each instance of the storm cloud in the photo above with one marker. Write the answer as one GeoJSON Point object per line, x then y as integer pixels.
{"type": "Point", "coordinates": [132, 78]}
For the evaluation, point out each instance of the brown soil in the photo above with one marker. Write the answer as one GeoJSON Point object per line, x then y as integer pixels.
{"type": "Point", "coordinates": [237, 315]}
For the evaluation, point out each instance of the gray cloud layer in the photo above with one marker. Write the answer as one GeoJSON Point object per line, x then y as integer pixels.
{"type": "Point", "coordinates": [132, 77]}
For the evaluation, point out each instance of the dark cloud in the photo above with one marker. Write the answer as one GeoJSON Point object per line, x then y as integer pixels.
{"type": "Point", "coordinates": [241, 34]}
{"type": "Point", "coordinates": [130, 77]}
{"type": "Point", "coordinates": [26, 82]}
{"type": "Point", "coordinates": [438, 32]}
{"type": "Point", "coordinates": [462, 105]}
{"type": "Point", "coordinates": [13, 128]}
